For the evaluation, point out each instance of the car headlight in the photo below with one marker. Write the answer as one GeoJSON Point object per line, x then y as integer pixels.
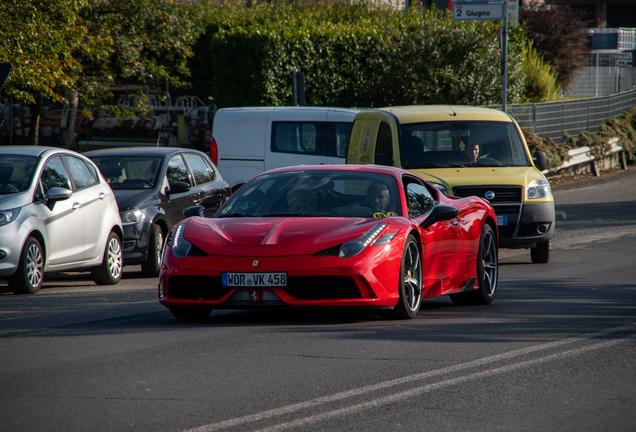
{"type": "Point", "coordinates": [539, 189]}
{"type": "Point", "coordinates": [7, 216]}
{"type": "Point", "coordinates": [180, 246]}
{"type": "Point", "coordinates": [354, 247]}
{"type": "Point", "coordinates": [131, 216]}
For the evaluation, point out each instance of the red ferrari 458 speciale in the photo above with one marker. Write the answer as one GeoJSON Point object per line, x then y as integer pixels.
{"type": "Point", "coordinates": [332, 235]}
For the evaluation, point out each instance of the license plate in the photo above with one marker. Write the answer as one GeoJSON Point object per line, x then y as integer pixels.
{"type": "Point", "coordinates": [502, 220]}
{"type": "Point", "coordinates": [254, 279]}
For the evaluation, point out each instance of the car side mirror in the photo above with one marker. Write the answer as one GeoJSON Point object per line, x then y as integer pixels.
{"type": "Point", "coordinates": [541, 160]}
{"type": "Point", "coordinates": [178, 187]}
{"type": "Point", "coordinates": [56, 194]}
{"type": "Point", "coordinates": [439, 213]}
{"type": "Point", "coordinates": [194, 211]}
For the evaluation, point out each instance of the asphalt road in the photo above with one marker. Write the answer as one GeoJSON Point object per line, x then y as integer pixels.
{"type": "Point", "coordinates": [555, 351]}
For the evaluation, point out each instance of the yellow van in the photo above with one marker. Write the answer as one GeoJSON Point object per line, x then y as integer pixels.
{"type": "Point", "coordinates": [465, 151]}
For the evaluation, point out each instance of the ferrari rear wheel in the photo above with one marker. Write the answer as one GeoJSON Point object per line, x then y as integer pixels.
{"type": "Point", "coordinates": [190, 312]}
{"type": "Point", "coordinates": [487, 271]}
{"type": "Point", "coordinates": [410, 281]}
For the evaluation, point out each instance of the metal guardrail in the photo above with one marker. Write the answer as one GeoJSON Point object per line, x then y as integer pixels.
{"type": "Point", "coordinates": [571, 117]}
{"type": "Point", "coordinates": [583, 156]}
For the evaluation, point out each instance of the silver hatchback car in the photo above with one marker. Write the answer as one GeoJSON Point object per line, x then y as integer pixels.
{"type": "Point", "coordinates": [57, 212]}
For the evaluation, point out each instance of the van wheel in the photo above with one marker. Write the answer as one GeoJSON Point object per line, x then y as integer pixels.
{"type": "Point", "coordinates": [540, 254]}
{"type": "Point", "coordinates": [110, 270]}
{"type": "Point", "coordinates": [152, 264]}
{"type": "Point", "coordinates": [30, 274]}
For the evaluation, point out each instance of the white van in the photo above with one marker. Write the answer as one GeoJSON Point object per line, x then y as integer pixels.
{"type": "Point", "coordinates": [249, 140]}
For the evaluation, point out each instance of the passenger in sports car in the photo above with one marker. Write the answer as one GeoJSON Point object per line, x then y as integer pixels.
{"type": "Point", "coordinates": [302, 201]}
{"type": "Point", "coordinates": [378, 196]}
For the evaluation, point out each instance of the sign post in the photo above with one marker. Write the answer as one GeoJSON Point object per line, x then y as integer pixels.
{"type": "Point", "coordinates": [489, 11]}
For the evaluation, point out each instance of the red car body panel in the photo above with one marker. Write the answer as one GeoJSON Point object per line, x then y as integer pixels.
{"type": "Point", "coordinates": [294, 245]}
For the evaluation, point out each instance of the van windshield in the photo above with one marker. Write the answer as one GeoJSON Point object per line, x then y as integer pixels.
{"type": "Point", "coordinates": [460, 144]}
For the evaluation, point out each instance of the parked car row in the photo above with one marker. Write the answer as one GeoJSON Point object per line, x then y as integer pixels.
{"type": "Point", "coordinates": [61, 210]}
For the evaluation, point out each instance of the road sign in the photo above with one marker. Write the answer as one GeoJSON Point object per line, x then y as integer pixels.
{"type": "Point", "coordinates": [477, 11]}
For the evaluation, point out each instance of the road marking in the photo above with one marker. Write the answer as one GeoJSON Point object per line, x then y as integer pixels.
{"type": "Point", "coordinates": [421, 389]}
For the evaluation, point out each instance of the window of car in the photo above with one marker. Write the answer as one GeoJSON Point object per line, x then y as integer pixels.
{"type": "Point", "coordinates": [54, 175]}
{"type": "Point", "coordinates": [384, 144]}
{"type": "Point", "coordinates": [295, 137]}
{"type": "Point", "coordinates": [177, 170]}
{"type": "Point", "coordinates": [16, 173]}
{"type": "Point", "coordinates": [199, 168]}
{"type": "Point", "coordinates": [419, 199]}
{"type": "Point", "coordinates": [83, 175]}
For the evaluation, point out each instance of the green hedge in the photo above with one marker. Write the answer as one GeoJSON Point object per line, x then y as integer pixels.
{"type": "Point", "coordinates": [352, 55]}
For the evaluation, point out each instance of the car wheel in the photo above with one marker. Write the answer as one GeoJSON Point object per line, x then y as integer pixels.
{"type": "Point", "coordinates": [190, 312]}
{"type": "Point", "coordinates": [151, 266]}
{"type": "Point", "coordinates": [540, 254]}
{"type": "Point", "coordinates": [487, 271]}
{"type": "Point", "coordinates": [28, 278]}
{"type": "Point", "coordinates": [110, 270]}
{"type": "Point", "coordinates": [410, 282]}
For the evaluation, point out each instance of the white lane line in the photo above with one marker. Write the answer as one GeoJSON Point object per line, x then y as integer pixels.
{"type": "Point", "coordinates": [374, 403]}
{"type": "Point", "coordinates": [411, 378]}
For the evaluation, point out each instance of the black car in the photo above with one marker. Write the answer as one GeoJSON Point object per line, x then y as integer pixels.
{"type": "Point", "coordinates": [153, 185]}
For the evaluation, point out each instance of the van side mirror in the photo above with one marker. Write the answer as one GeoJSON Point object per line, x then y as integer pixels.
{"type": "Point", "coordinates": [541, 161]}
{"type": "Point", "coordinates": [439, 213]}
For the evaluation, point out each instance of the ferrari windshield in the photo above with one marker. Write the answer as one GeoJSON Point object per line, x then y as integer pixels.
{"type": "Point", "coordinates": [465, 143]}
{"type": "Point", "coordinates": [129, 172]}
{"type": "Point", "coordinates": [16, 173]}
{"type": "Point", "coordinates": [316, 193]}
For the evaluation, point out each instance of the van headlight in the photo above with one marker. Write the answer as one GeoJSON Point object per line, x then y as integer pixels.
{"type": "Point", "coordinates": [539, 189]}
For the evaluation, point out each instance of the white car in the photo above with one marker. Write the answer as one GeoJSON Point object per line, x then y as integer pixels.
{"type": "Point", "coordinates": [57, 212]}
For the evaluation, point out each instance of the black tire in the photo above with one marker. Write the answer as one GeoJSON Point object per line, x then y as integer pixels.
{"type": "Point", "coordinates": [151, 266]}
{"type": "Point", "coordinates": [110, 270]}
{"type": "Point", "coordinates": [410, 282]}
{"type": "Point", "coordinates": [30, 273]}
{"type": "Point", "coordinates": [540, 254]}
{"type": "Point", "coordinates": [190, 312]}
{"type": "Point", "coordinates": [487, 271]}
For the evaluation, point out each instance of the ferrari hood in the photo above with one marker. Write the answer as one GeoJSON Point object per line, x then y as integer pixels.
{"type": "Point", "coordinates": [272, 236]}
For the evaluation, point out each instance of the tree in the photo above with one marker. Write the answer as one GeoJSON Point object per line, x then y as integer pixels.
{"type": "Point", "coordinates": [90, 45]}
{"type": "Point", "coordinates": [557, 32]}
{"type": "Point", "coordinates": [38, 39]}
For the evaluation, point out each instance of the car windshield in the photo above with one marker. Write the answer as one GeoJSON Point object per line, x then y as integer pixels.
{"type": "Point", "coordinates": [462, 143]}
{"type": "Point", "coordinates": [129, 172]}
{"type": "Point", "coordinates": [16, 173]}
{"type": "Point", "coordinates": [316, 193]}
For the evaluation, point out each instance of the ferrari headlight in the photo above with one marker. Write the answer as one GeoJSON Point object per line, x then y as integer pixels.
{"type": "Point", "coordinates": [7, 216]}
{"type": "Point", "coordinates": [180, 246]}
{"type": "Point", "coordinates": [131, 216]}
{"type": "Point", "coordinates": [354, 247]}
{"type": "Point", "coordinates": [539, 189]}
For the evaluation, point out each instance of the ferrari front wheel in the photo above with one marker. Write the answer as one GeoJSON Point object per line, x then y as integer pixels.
{"type": "Point", "coordinates": [410, 281]}
{"type": "Point", "coordinates": [190, 312]}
